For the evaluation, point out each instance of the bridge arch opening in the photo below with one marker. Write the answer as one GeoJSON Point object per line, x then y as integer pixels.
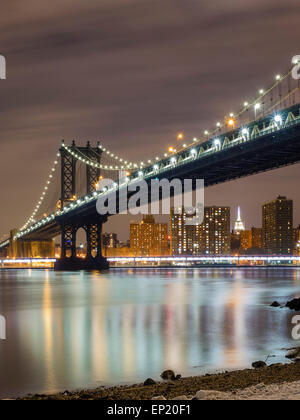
{"type": "Point", "coordinates": [81, 243]}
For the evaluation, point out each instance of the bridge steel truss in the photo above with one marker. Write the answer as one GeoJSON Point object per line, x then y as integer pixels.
{"type": "Point", "coordinates": [68, 171]}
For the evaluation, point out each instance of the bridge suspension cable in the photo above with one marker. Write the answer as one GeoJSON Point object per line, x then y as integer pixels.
{"type": "Point", "coordinates": [49, 181]}
{"type": "Point", "coordinates": [86, 160]}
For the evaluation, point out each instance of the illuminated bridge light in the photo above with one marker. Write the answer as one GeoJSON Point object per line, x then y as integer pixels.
{"type": "Point", "coordinates": [217, 142]}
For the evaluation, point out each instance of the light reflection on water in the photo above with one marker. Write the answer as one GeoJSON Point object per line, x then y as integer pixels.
{"type": "Point", "coordinates": [73, 330]}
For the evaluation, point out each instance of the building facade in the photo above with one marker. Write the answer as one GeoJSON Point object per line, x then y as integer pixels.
{"type": "Point", "coordinates": [212, 237]}
{"type": "Point", "coordinates": [277, 220]}
{"type": "Point", "coordinates": [148, 238]}
{"type": "Point", "coordinates": [109, 242]}
{"type": "Point", "coordinates": [251, 239]}
{"type": "Point", "coordinates": [245, 239]}
{"type": "Point", "coordinates": [257, 238]}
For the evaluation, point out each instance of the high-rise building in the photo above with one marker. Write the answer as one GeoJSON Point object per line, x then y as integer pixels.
{"type": "Point", "coordinates": [296, 239]}
{"type": "Point", "coordinates": [239, 224]}
{"type": "Point", "coordinates": [246, 239]}
{"type": "Point", "coordinates": [212, 237]}
{"type": "Point", "coordinates": [109, 242]}
{"type": "Point", "coordinates": [277, 219]}
{"type": "Point", "coordinates": [148, 238]}
{"type": "Point", "coordinates": [251, 239]}
{"type": "Point", "coordinates": [257, 238]}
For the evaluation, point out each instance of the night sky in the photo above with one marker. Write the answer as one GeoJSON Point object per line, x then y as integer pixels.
{"type": "Point", "coordinates": [133, 73]}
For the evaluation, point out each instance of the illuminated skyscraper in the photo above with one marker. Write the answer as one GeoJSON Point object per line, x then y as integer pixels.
{"type": "Point", "coordinates": [239, 225]}
{"type": "Point", "coordinates": [277, 219]}
{"type": "Point", "coordinates": [212, 237]}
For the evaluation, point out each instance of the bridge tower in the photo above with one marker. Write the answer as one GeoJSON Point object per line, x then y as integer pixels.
{"type": "Point", "coordinates": [91, 223]}
{"type": "Point", "coordinates": [92, 173]}
{"type": "Point", "coordinates": [68, 170]}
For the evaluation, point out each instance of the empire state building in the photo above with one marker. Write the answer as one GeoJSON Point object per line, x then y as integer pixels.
{"type": "Point", "coordinates": [239, 224]}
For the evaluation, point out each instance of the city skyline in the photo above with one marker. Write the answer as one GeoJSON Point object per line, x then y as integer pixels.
{"type": "Point", "coordinates": [277, 236]}
{"type": "Point", "coordinates": [125, 232]}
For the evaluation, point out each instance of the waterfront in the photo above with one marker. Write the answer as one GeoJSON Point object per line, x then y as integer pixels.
{"type": "Point", "coordinates": [76, 330]}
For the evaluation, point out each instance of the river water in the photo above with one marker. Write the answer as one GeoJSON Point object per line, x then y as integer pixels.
{"type": "Point", "coordinates": [77, 330]}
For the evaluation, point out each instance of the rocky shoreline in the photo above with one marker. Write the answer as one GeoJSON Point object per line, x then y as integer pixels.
{"type": "Point", "coordinates": [227, 382]}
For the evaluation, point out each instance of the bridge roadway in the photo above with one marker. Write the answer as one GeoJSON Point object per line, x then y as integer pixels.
{"type": "Point", "coordinates": [269, 143]}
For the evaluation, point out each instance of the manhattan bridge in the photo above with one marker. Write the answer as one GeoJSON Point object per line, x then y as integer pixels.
{"type": "Point", "coordinates": [263, 135]}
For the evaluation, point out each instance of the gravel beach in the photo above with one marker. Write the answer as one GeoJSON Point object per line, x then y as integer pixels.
{"type": "Point", "coordinates": [272, 382]}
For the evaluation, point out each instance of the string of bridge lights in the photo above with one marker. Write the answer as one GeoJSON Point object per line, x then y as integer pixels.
{"type": "Point", "coordinates": [31, 220]}
{"type": "Point", "coordinates": [130, 165]}
{"type": "Point", "coordinates": [81, 157]}
{"type": "Point", "coordinates": [126, 165]}
{"type": "Point", "coordinates": [117, 158]}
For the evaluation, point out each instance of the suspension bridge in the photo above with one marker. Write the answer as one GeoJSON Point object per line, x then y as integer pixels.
{"type": "Point", "coordinates": [263, 135]}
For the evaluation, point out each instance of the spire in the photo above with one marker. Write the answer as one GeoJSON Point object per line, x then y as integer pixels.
{"type": "Point", "coordinates": [239, 214]}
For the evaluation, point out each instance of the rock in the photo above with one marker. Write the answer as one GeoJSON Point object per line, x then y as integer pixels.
{"type": "Point", "coordinates": [294, 304]}
{"type": "Point", "coordinates": [178, 377]}
{"type": "Point", "coordinates": [181, 398]}
{"type": "Point", "coordinates": [293, 354]}
{"type": "Point", "coordinates": [200, 395]}
{"type": "Point", "coordinates": [159, 397]}
{"type": "Point", "coordinates": [210, 395]}
{"type": "Point", "coordinates": [297, 360]}
{"type": "Point", "coordinates": [259, 365]}
{"type": "Point", "coordinates": [168, 375]}
{"type": "Point", "coordinates": [275, 304]}
{"type": "Point", "coordinates": [149, 382]}
{"type": "Point", "coordinates": [276, 365]}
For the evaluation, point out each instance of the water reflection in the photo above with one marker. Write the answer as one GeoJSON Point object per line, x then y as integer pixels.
{"type": "Point", "coordinates": [70, 330]}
